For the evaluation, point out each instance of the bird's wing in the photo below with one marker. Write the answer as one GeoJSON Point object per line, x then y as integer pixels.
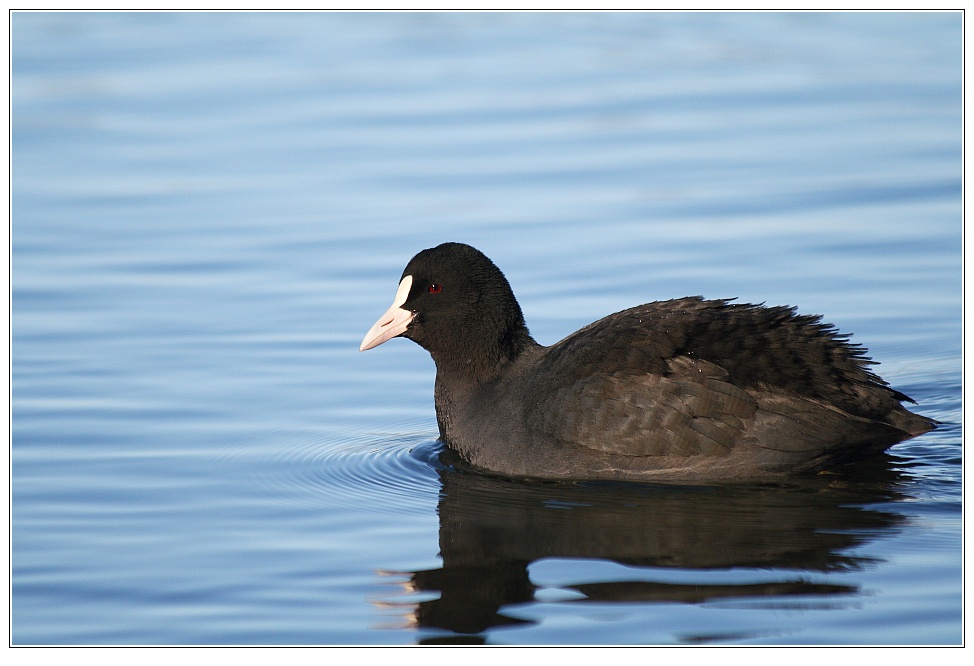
{"type": "Point", "coordinates": [691, 377]}
{"type": "Point", "coordinates": [687, 409]}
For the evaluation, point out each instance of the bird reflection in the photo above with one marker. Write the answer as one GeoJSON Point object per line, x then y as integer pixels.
{"type": "Point", "coordinates": [492, 529]}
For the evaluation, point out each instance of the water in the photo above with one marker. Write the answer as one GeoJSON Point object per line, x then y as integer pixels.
{"type": "Point", "coordinates": [210, 210]}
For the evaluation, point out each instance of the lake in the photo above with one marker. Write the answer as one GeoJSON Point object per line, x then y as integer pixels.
{"type": "Point", "coordinates": [209, 210]}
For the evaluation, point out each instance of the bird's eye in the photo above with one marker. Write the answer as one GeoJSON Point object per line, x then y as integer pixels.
{"type": "Point", "coordinates": [435, 288]}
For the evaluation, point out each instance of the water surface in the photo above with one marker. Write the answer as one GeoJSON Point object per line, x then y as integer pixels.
{"type": "Point", "coordinates": [210, 210]}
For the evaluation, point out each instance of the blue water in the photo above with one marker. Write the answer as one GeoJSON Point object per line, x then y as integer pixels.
{"type": "Point", "coordinates": [210, 210]}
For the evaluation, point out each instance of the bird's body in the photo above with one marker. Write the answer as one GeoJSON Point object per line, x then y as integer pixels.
{"type": "Point", "coordinates": [687, 390]}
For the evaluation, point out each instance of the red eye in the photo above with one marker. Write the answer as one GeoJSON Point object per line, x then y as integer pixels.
{"type": "Point", "coordinates": [435, 288]}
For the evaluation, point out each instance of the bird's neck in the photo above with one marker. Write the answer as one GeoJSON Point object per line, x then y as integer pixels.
{"type": "Point", "coordinates": [480, 361]}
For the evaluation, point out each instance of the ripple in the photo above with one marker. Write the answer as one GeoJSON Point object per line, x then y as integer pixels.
{"type": "Point", "coordinates": [393, 474]}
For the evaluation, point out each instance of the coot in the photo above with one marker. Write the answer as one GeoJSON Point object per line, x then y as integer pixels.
{"type": "Point", "coordinates": [679, 390]}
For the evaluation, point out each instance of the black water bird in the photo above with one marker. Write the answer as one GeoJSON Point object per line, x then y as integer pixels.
{"type": "Point", "coordinates": [680, 390]}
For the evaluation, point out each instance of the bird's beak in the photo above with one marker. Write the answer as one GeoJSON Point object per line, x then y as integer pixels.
{"type": "Point", "coordinates": [393, 322]}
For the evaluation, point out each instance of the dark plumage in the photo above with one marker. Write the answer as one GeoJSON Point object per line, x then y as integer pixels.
{"type": "Point", "coordinates": [687, 389]}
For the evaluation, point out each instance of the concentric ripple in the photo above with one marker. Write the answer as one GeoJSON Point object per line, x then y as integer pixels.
{"type": "Point", "coordinates": [389, 474]}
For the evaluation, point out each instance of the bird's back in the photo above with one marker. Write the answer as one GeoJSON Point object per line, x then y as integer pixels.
{"type": "Point", "coordinates": [712, 383]}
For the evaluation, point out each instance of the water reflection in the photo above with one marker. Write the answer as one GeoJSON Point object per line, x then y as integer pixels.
{"type": "Point", "coordinates": [492, 529]}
